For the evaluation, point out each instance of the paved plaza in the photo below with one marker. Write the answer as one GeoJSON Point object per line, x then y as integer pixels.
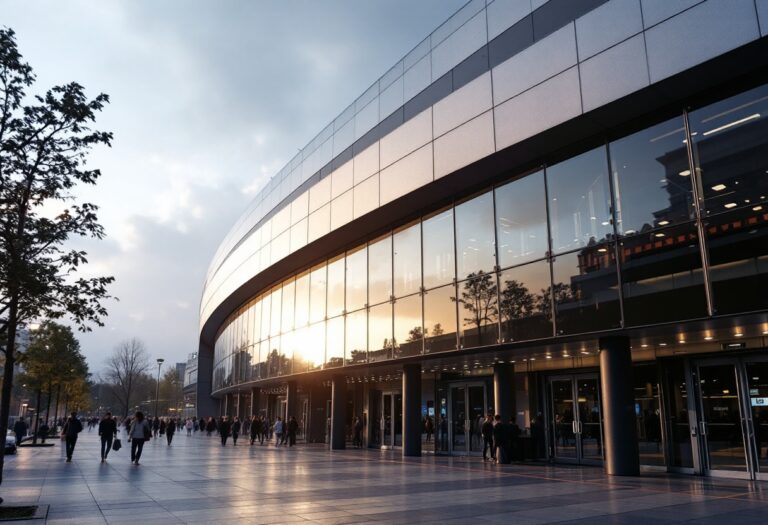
{"type": "Point", "coordinates": [197, 481]}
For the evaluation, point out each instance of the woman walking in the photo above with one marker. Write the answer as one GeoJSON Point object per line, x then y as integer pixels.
{"type": "Point", "coordinates": [236, 430]}
{"type": "Point", "coordinates": [139, 432]}
{"type": "Point", "coordinates": [255, 428]}
{"type": "Point", "coordinates": [278, 429]}
{"type": "Point", "coordinates": [170, 430]}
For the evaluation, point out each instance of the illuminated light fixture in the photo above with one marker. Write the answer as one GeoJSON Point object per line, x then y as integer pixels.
{"type": "Point", "coordinates": [730, 205]}
{"type": "Point", "coordinates": [708, 337]}
{"type": "Point", "coordinates": [602, 250]}
{"type": "Point", "coordinates": [765, 332]}
{"type": "Point", "coordinates": [718, 187]}
{"type": "Point", "coordinates": [532, 359]}
{"type": "Point", "coordinates": [726, 391]}
{"type": "Point", "coordinates": [662, 344]}
{"type": "Point", "coordinates": [629, 232]}
{"type": "Point", "coordinates": [605, 223]}
{"type": "Point", "coordinates": [566, 355]}
{"type": "Point", "coordinates": [663, 223]}
{"type": "Point", "coordinates": [549, 357]}
{"type": "Point", "coordinates": [685, 173]}
{"type": "Point", "coordinates": [659, 234]}
{"type": "Point", "coordinates": [738, 334]}
{"type": "Point", "coordinates": [731, 124]}
{"type": "Point", "coordinates": [757, 208]}
{"type": "Point", "coordinates": [593, 218]}
{"type": "Point", "coordinates": [643, 345]}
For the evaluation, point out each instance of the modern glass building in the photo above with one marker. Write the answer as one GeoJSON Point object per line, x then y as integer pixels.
{"type": "Point", "coordinates": [556, 211]}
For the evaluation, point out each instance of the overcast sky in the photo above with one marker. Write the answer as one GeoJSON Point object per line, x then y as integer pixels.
{"type": "Point", "coordinates": [208, 101]}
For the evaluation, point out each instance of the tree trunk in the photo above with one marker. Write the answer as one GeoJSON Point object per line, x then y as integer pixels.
{"type": "Point", "coordinates": [48, 405]}
{"type": "Point", "coordinates": [10, 359]}
{"type": "Point", "coordinates": [56, 415]}
{"type": "Point", "coordinates": [37, 418]}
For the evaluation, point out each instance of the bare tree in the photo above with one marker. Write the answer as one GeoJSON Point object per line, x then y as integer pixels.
{"type": "Point", "coordinates": [128, 362]}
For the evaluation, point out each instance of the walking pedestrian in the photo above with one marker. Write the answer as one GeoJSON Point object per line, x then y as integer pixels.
{"type": "Point", "coordinates": [155, 426]}
{"type": "Point", "coordinates": [190, 425]}
{"type": "Point", "coordinates": [224, 429]}
{"type": "Point", "coordinates": [170, 430]}
{"type": "Point", "coordinates": [357, 439]}
{"type": "Point", "coordinates": [107, 431]}
{"type": "Point", "coordinates": [210, 426]}
{"type": "Point", "coordinates": [255, 428]}
{"type": "Point", "coordinates": [278, 429]}
{"type": "Point", "coordinates": [487, 431]}
{"type": "Point", "coordinates": [236, 426]}
{"type": "Point", "coordinates": [44, 430]}
{"type": "Point", "coordinates": [293, 428]}
{"type": "Point", "coordinates": [20, 429]}
{"type": "Point", "coordinates": [72, 428]}
{"type": "Point", "coordinates": [139, 432]}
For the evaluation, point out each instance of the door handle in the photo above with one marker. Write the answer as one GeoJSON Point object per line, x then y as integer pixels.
{"type": "Point", "coordinates": [703, 425]}
{"type": "Point", "coordinates": [574, 427]}
{"type": "Point", "coordinates": [581, 428]}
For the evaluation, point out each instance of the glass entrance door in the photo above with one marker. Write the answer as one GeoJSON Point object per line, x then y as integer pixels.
{"type": "Point", "coordinates": [733, 421]}
{"type": "Point", "coordinates": [391, 422]}
{"type": "Point", "coordinates": [576, 420]}
{"type": "Point", "coordinates": [467, 403]}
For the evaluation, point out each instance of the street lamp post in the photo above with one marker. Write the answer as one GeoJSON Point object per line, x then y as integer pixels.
{"type": "Point", "coordinates": [160, 361]}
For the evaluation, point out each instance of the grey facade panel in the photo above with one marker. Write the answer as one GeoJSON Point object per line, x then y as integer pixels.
{"type": "Point", "coordinates": [608, 25]}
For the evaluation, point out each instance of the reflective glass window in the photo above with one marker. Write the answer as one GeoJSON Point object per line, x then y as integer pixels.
{"type": "Point", "coordinates": [661, 276]}
{"type": "Point", "coordinates": [585, 290]}
{"type": "Point", "coordinates": [264, 350]}
{"type": "Point", "coordinates": [478, 305]}
{"type": "Point", "coordinates": [440, 319]}
{"type": "Point", "coordinates": [255, 368]}
{"type": "Point", "coordinates": [380, 270]}
{"type": "Point", "coordinates": [334, 349]}
{"type": "Point", "coordinates": [277, 304]}
{"type": "Point", "coordinates": [648, 414]}
{"type": "Point", "coordinates": [406, 253]}
{"type": "Point", "coordinates": [356, 340]}
{"type": "Point", "coordinates": [521, 220]}
{"type": "Point", "coordinates": [335, 286]}
{"type": "Point", "coordinates": [273, 356]}
{"type": "Point", "coordinates": [579, 201]}
{"type": "Point", "coordinates": [266, 310]}
{"type": "Point", "coordinates": [737, 243]}
{"type": "Point", "coordinates": [380, 332]}
{"type": "Point", "coordinates": [475, 243]}
{"type": "Point", "coordinates": [301, 315]}
{"type": "Point", "coordinates": [313, 346]}
{"type": "Point", "coordinates": [288, 299]}
{"type": "Point", "coordinates": [317, 292]}
{"type": "Point", "coordinates": [286, 352]}
{"type": "Point", "coordinates": [652, 178]}
{"type": "Point", "coordinates": [357, 279]}
{"type": "Point", "coordinates": [409, 332]}
{"type": "Point", "coordinates": [438, 249]}
{"type": "Point", "coordinates": [730, 140]}
{"type": "Point", "coordinates": [524, 302]}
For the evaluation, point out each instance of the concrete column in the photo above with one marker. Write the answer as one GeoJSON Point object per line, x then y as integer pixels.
{"type": "Point", "coordinates": [338, 413]}
{"type": "Point", "coordinates": [206, 405]}
{"type": "Point", "coordinates": [254, 402]}
{"type": "Point", "coordinates": [412, 410]}
{"type": "Point", "coordinates": [292, 400]}
{"type": "Point", "coordinates": [504, 390]}
{"type": "Point", "coordinates": [622, 457]}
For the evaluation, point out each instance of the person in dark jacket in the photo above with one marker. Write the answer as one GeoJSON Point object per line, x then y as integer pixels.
{"type": "Point", "coordinates": [170, 430]}
{"type": "Point", "coordinates": [155, 426]}
{"type": "Point", "coordinates": [236, 426]}
{"type": "Point", "coordinates": [487, 431]}
{"type": "Point", "coordinates": [210, 427]}
{"type": "Point", "coordinates": [293, 428]}
{"type": "Point", "coordinates": [500, 440]}
{"type": "Point", "coordinates": [43, 432]}
{"type": "Point", "coordinates": [107, 431]}
{"type": "Point", "coordinates": [224, 429]}
{"type": "Point", "coordinates": [20, 429]}
{"type": "Point", "coordinates": [72, 428]}
{"type": "Point", "coordinates": [162, 427]}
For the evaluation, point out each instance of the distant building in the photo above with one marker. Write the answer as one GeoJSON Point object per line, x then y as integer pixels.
{"type": "Point", "coordinates": [189, 389]}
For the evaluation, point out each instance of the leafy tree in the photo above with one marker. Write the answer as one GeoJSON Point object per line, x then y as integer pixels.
{"type": "Point", "coordinates": [44, 141]}
{"type": "Point", "coordinates": [480, 300]}
{"type": "Point", "coordinates": [125, 367]}
{"type": "Point", "coordinates": [562, 293]}
{"type": "Point", "coordinates": [516, 302]}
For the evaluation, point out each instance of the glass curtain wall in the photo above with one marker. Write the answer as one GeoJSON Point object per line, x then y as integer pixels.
{"type": "Point", "coordinates": [606, 238]}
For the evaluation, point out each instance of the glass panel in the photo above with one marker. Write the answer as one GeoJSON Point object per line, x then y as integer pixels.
{"type": "Point", "coordinates": [440, 319]}
{"type": "Point", "coordinates": [377, 418]}
{"type": "Point", "coordinates": [287, 351]}
{"type": "Point", "coordinates": [255, 363]}
{"type": "Point", "coordinates": [357, 279]}
{"type": "Point", "coordinates": [676, 394]}
{"type": "Point", "coordinates": [662, 277]}
{"type": "Point", "coordinates": [438, 249]}
{"type": "Point", "coordinates": [301, 316]}
{"type": "Point", "coordinates": [317, 293]}
{"type": "Point", "coordinates": [289, 296]}
{"type": "Point", "coordinates": [380, 332]}
{"type": "Point", "coordinates": [273, 356]}
{"type": "Point", "coordinates": [458, 419]}
{"type": "Point", "coordinates": [524, 302]}
{"type": "Point", "coordinates": [386, 419]}
{"type": "Point", "coordinates": [380, 270]}
{"type": "Point", "coordinates": [586, 290]}
{"type": "Point", "coordinates": [357, 337]}
{"type": "Point", "coordinates": [335, 286]}
{"type": "Point", "coordinates": [590, 431]}
{"type": "Point", "coordinates": [579, 201]}
{"type": "Point", "coordinates": [398, 417]}
{"type": "Point", "coordinates": [648, 414]}
{"type": "Point", "coordinates": [521, 220]}
{"type": "Point", "coordinates": [475, 243]}
{"type": "Point", "coordinates": [476, 408]}
{"type": "Point", "coordinates": [652, 178]}
{"type": "Point", "coordinates": [441, 439]}
{"type": "Point", "coordinates": [757, 381]}
{"type": "Point", "coordinates": [720, 404]}
{"type": "Point", "coordinates": [409, 334]}
{"type": "Point", "coordinates": [334, 352]}
{"type": "Point", "coordinates": [313, 346]}
{"type": "Point", "coordinates": [406, 248]}
{"type": "Point", "coordinates": [479, 310]}
{"type": "Point", "coordinates": [730, 143]}
{"type": "Point", "coordinates": [562, 410]}
{"type": "Point", "coordinates": [266, 309]}
{"type": "Point", "coordinates": [738, 259]}
{"type": "Point", "coordinates": [274, 325]}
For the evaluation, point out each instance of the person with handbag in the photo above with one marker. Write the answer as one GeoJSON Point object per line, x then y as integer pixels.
{"type": "Point", "coordinates": [107, 431]}
{"type": "Point", "coordinates": [139, 432]}
{"type": "Point", "coordinates": [69, 433]}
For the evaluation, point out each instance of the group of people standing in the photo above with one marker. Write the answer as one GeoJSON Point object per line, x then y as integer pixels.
{"type": "Point", "coordinates": [499, 438]}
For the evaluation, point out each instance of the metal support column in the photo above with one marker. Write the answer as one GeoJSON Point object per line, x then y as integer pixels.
{"type": "Point", "coordinates": [412, 410]}
{"type": "Point", "coordinates": [338, 413]}
{"type": "Point", "coordinates": [504, 390]}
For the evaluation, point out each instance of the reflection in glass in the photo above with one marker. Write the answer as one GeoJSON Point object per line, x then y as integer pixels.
{"type": "Point", "coordinates": [317, 292]}
{"type": "Point", "coordinates": [255, 363]}
{"type": "Point", "coordinates": [662, 277]}
{"type": "Point", "coordinates": [438, 249]}
{"type": "Point", "coordinates": [356, 343]}
{"type": "Point", "coordinates": [289, 296]}
{"type": "Point", "coordinates": [562, 418]}
{"type": "Point", "coordinates": [275, 299]}
{"type": "Point", "coordinates": [730, 141]}
{"type": "Point", "coordinates": [720, 406]}
{"type": "Point", "coordinates": [409, 334]}
{"type": "Point", "coordinates": [335, 286]}
{"type": "Point", "coordinates": [521, 220]}
{"type": "Point", "coordinates": [523, 302]}
{"type": "Point", "coordinates": [652, 178]}
{"type": "Point", "coordinates": [380, 341]}
{"type": "Point", "coordinates": [380, 270]}
{"type": "Point", "coordinates": [288, 342]}
{"type": "Point", "coordinates": [757, 385]}
{"type": "Point", "coordinates": [266, 309]}
{"type": "Point", "coordinates": [406, 253]}
{"type": "Point", "coordinates": [676, 405]}
{"type": "Point", "coordinates": [579, 201]}
{"type": "Point", "coordinates": [475, 243]}
{"type": "Point", "coordinates": [440, 319]}
{"type": "Point", "coordinates": [738, 260]}
{"type": "Point", "coordinates": [586, 290]}
{"type": "Point", "coordinates": [648, 414]}
{"type": "Point", "coordinates": [357, 279]}
{"type": "Point", "coordinates": [301, 316]}
{"type": "Point", "coordinates": [273, 356]}
{"type": "Point", "coordinates": [334, 352]}
{"type": "Point", "coordinates": [478, 302]}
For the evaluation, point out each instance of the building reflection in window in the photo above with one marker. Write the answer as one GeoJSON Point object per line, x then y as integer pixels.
{"type": "Point", "coordinates": [406, 257]}
{"type": "Point", "coordinates": [524, 302]}
{"type": "Point", "coordinates": [478, 301]}
{"type": "Point", "coordinates": [356, 337]}
{"type": "Point", "coordinates": [521, 220]}
{"type": "Point", "coordinates": [475, 237]}
{"type": "Point", "coordinates": [440, 319]}
{"type": "Point", "coordinates": [438, 249]}
{"type": "Point", "coordinates": [356, 287]}
{"type": "Point", "coordinates": [380, 342]}
{"type": "Point", "coordinates": [334, 350]}
{"type": "Point", "coordinates": [409, 332]}
{"type": "Point", "coordinates": [380, 270]}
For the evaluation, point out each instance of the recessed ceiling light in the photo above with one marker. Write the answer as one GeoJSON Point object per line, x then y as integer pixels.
{"type": "Point", "coordinates": [659, 235]}
{"type": "Point", "coordinates": [663, 223]}
{"type": "Point", "coordinates": [718, 187]}
{"type": "Point", "coordinates": [757, 208]}
{"type": "Point", "coordinates": [629, 232]}
{"type": "Point", "coordinates": [662, 344]}
{"type": "Point", "coordinates": [602, 250]}
{"type": "Point", "coordinates": [765, 332]}
{"type": "Point", "coordinates": [738, 334]}
{"type": "Point", "coordinates": [643, 345]}
{"type": "Point", "coordinates": [730, 205]}
{"type": "Point", "coordinates": [707, 337]}
{"type": "Point", "coordinates": [682, 341]}
{"type": "Point", "coordinates": [549, 357]}
{"type": "Point", "coordinates": [684, 173]}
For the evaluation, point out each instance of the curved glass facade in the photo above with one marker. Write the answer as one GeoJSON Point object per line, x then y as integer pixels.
{"type": "Point", "coordinates": [608, 238]}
